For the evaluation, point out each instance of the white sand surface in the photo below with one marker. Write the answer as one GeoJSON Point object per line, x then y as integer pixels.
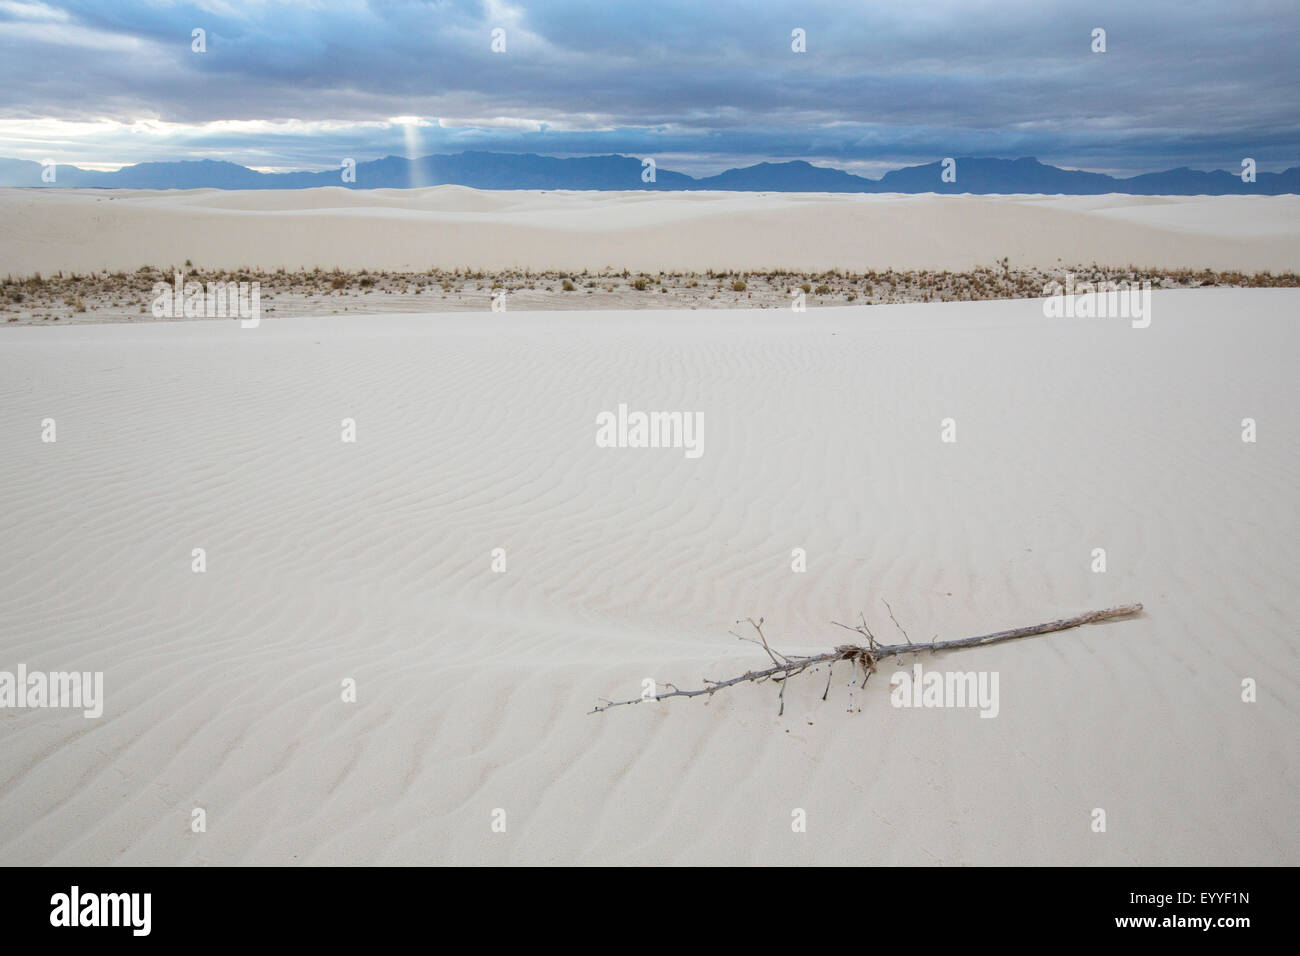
{"type": "Point", "coordinates": [328, 560]}
{"type": "Point", "coordinates": [44, 230]}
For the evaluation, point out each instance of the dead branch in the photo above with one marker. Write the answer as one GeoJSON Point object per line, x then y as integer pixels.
{"type": "Point", "coordinates": [791, 665]}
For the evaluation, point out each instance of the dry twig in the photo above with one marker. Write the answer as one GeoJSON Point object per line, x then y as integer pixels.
{"type": "Point", "coordinates": [791, 665]}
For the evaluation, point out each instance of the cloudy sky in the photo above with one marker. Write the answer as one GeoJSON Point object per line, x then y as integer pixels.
{"type": "Point", "coordinates": [701, 85]}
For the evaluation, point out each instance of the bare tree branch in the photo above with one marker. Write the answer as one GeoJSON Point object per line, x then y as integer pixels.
{"type": "Point", "coordinates": [867, 657]}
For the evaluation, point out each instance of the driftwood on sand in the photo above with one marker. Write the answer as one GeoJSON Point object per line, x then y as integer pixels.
{"type": "Point", "coordinates": [866, 656]}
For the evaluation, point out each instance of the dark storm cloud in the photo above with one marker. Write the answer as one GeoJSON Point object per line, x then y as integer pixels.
{"type": "Point", "coordinates": [1182, 83]}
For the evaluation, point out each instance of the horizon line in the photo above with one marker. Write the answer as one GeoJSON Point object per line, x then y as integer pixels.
{"type": "Point", "coordinates": [307, 170]}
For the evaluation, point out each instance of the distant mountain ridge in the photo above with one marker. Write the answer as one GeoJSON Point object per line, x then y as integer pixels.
{"type": "Point", "coordinates": [486, 170]}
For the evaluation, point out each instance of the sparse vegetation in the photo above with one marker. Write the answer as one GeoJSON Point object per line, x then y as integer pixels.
{"type": "Point", "coordinates": [126, 296]}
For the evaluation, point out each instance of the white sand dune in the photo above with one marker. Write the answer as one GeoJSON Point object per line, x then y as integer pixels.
{"type": "Point", "coordinates": [446, 226]}
{"type": "Point", "coordinates": [371, 560]}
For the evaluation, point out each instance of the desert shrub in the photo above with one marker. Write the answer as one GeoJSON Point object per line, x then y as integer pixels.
{"type": "Point", "coordinates": [738, 286]}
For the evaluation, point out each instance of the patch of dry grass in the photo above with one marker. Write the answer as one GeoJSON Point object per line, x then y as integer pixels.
{"type": "Point", "coordinates": [122, 296]}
